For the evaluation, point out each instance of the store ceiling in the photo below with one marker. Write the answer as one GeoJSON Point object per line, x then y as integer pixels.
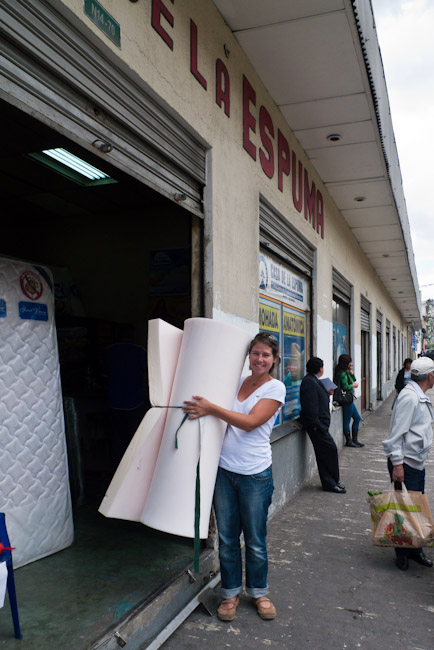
{"type": "Point", "coordinates": [309, 57]}
{"type": "Point", "coordinates": [27, 187]}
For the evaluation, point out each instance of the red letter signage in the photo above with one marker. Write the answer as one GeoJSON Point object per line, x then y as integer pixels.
{"type": "Point", "coordinates": [159, 8]}
{"type": "Point", "coordinates": [222, 88]}
{"type": "Point", "coordinates": [266, 124]}
{"type": "Point", "coordinates": [249, 121]}
{"type": "Point", "coordinates": [193, 55]}
{"type": "Point", "coordinates": [306, 197]}
{"type": "Point", "coordinates": [319, 213]}
{"type": "Point", "coordinates": [297, 198]}
{"type": "Point", "coordinates": [309, 200]}
{"type": "Point", "coordinates": [282, 158]}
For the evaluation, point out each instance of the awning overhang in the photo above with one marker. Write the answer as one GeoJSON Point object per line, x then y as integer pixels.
{"type": "Point", "coordinates": [321, 63]}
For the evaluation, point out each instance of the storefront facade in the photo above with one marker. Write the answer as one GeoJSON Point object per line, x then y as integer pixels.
{"type": "Point", "coordinates": [235, 218]}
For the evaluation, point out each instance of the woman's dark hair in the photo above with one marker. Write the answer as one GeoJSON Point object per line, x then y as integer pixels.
{"type": "Point", "coordinates": [272, 342]}
{"type": "Point", "coordinates": [406, 361]}
{"type": "Point", "coordinates": [314, 365]}
{"type": "Point", "coordinates": [343, 363]}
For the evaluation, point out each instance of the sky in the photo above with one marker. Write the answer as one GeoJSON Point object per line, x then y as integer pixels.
{"type": "Point", "coordinates": [405, 33]}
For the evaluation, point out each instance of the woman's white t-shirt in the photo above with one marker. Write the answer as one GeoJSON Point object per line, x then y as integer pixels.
{"type": "Point", "coordinates": [249, 452]}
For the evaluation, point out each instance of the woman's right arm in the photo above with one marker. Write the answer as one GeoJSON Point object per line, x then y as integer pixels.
{"type": "Point", "coordinates": [260, 413]}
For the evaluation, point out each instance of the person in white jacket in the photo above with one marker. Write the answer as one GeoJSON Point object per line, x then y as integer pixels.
{"type": "Point", "coordinates": [409, 443]}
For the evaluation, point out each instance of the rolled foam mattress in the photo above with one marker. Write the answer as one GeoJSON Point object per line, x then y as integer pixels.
{"type": "Point", "coordinates": [209, 363]}
{"type": "Point", "coordinates": [126, 495]}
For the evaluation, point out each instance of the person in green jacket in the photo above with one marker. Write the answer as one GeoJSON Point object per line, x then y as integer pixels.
{"type": "Point", "coordinates": [346, 379]}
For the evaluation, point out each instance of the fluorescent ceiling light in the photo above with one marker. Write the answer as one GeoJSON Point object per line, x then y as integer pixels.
{"type": "Point", "coordinates": [74, 168]}
{"type": "Point", "coordinates": [78, 164]}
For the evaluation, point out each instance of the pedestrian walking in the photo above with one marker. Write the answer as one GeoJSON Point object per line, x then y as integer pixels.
{"type": "Point", "coordinates": [409, 442]}
{"type": "Point", "coordinates": [403, 376]}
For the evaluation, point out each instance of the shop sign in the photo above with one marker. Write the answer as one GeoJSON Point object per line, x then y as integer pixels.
{"type": "Point", "coordinates": [282, 283]}
{"type": "Point", "coordinates": [103, 20]}
{"type": "Point", "coordinates": [276, 158]}
{"type": "Point", "coordinates": [3, 308]}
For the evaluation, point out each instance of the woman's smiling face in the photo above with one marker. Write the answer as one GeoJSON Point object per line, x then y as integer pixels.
{"type": "Point", "coordinates": [261, 358]}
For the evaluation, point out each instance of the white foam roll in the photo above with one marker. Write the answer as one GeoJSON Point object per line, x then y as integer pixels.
{"type": "Point", "coordinates": [164, 345]}
{"type": "Point", "coordinates": [129, 487]}
{"type": "Point", "coordinates": [126, 495]}
{"type": "Point", "coordinates": [210, 364]}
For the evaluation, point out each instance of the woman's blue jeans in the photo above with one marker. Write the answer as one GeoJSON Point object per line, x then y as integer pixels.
{"type": "Point", "coordinates": [241, 504]}
{"type": "Point", "coordinates": [350, 412]}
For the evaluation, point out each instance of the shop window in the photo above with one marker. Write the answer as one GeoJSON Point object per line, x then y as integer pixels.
{"type": "Point", "coordinates": [388, 363]}
{"type": "Point", "coordinates": [341, 305]}
{"type": "Point", "coordinates": [341, 329]}
{"type": "Point", "coordinates": [400, 357]}
{"type": "Point", "coordinates": [283, 311]}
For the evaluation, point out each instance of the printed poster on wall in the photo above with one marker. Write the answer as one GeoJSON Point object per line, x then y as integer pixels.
{"type": "Point", "coordinates": [282, 283]}
{"type": "Point", "coordinates": [340, 338]}
{"type": "Point", "coordinates": [270, 312]}
{"type": "Point", "coordinates": [288, 325]}
{"type": "Point", "coordinates": [294, 359]}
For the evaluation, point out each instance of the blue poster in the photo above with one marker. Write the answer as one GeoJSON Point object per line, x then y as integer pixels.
{"type": "Point", "coordinates": [270, 312]}
{"type": "Point", "coordinates": [294, 359]}
{"type": "Point", "coordinates": [340, 340]}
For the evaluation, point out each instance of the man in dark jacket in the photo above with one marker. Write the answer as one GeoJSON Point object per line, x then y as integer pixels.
{"type": "Point", "coordinates": [315, 417]}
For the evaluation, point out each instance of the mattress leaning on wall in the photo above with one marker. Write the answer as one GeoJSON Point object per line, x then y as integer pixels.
{"type": "Point", "coordinates": [34, 484]}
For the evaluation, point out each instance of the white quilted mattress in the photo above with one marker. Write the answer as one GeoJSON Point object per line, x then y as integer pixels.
{"type": "Point", "coordinates": [34, 485]}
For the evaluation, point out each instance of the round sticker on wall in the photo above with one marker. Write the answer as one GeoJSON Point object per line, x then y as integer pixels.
{"type": "Point", "coordinates": [31, 285]}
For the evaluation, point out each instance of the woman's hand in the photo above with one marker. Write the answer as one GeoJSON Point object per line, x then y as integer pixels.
{"type": "Point", "coordinates": [198, 408]}
{"type": "Point", "coordinates": [356, 383]}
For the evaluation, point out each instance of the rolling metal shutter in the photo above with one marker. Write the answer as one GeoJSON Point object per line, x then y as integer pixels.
{"type": "Point", "coordinates": [278, 236]}
{"type": "Point", "coordinates": [50, 70]}
{"type": "Point", "coordinates": [365, 314]}
{"type": "Point", "coordinates": [341, 287]}
{"type": "Point", "coordinates": [379, 321]}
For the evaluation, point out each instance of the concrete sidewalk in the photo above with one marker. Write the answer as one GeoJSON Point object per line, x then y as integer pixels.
{"type": "Point", "coordinates": [332, 588]}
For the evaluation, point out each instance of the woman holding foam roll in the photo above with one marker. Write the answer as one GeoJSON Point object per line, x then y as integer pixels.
{"type": "Point", "coordinates": [244, 484]}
